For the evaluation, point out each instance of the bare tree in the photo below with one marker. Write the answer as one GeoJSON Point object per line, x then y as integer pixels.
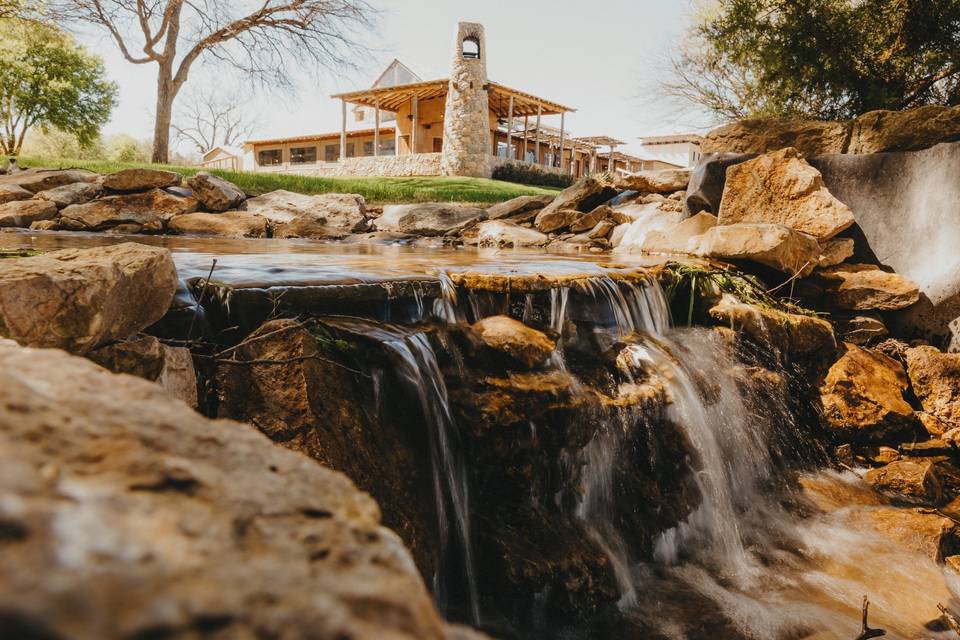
{"type": "Point", "coordinates": [260, 38]}
{"type": "Point", "coordinates": [211, 118]}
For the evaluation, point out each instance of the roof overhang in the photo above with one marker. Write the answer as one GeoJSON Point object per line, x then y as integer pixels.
{"type": "Point", "coordinates": [334, 135]}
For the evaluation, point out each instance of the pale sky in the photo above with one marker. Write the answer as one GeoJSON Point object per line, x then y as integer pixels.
{"type": "Point", "coordinates": [605, 58]}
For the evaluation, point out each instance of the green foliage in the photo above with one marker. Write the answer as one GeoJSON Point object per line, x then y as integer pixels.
{"type": "Point", "coordinates": [47, 81]}
{"type": "Point", "coordinates": [530, 175]}
{"type": "Point", "coordinates": [392, 190]}
{"type": "Point", "coordinates": [125, 148]}
{"type": "Point", "coordinates": [827, 59]}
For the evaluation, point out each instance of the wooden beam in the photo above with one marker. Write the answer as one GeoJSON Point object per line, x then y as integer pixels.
{"type": "Point", "coordinates": [343, 128]}
{"type": "Point", "coordinates": [563, 116]}
{"type": "Point", "coordinates": [416, 124]}
{"type": "Point", "coordinates": [510, 127]}
{"type": "Point", "coordinates": [612, 167]}
{"type": "Point", "coordinates": [526, 126]}
{"type": "Point", "coordinates": [539, 113]}
{"type": "Point", "coordinates": [376, 129]}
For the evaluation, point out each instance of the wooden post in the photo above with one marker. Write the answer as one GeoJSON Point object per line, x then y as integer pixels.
{"type": "Point", "coordinates": [376, 130]}
{"type": "Point", "coordinates": [537, 149]}
{"type": "Point", "coordinates": [613, 149]}
{"type": "Point", "coordinates": [593, 160]}
{"type": "Point", "coordinates": [563, 115]}
{"type": "Point", "coordinates": [510, 128]}
{"type": "Point", "coordinates": [343, 128]}
{"type": "Point", "coordinates": [416, 124]}
{"type": "Point", "coordinates": [526, 125]}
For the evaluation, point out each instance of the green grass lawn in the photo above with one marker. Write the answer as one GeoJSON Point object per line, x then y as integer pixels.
{"type": "Point", "coordinates": [374, 190]}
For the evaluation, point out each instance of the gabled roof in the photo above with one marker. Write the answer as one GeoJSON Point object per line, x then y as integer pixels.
{"type": "Point", "coordinates": [398, 68]}
{"type": "Point", "coordinates": [229, 150]}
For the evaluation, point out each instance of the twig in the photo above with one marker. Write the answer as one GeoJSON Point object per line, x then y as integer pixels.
{"type": "Point", "coordinates": [280, 361]}
{"type": "Point", "coordinates": [246, 341]}
{"type": "Point", "coordinates": [951, 621]}
{"type": "Point", "coordinates": [203, 291]}
{"type": "Point", "coordinates": [865, 631]}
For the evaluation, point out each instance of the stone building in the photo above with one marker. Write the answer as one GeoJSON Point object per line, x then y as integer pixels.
{"type": "Point", "coordinates": [463, 125]}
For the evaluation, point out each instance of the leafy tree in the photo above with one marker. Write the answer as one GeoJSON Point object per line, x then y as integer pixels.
{"type": "Point", "coordinates": [827, 59]}
{"type": "Point", "coordinates": [56, 143]}
{"type": "Point", "coordinates": [126, 148]}
{"type": "Point", "coordinates": [46, 80]}
{"type": "Point", "coordinates": [260, 38]}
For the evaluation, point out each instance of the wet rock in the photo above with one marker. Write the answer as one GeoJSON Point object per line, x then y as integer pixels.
{"type": "Point", "coordinates": [132, 513]}
{"type": "Point", "coordinates": [935, 426]}
{"type": "Point", "coordinates": [863, 397]}
{"type": "Point", "coordinates": [556, 219]}
{"type": "Point", "coordinates": [801, 337]}
{"type": "Point", "coordinates": [378, 237]}
{"type": "Point", "coordinates": [935, 378]}
{"type": "Point", "coordinates": [68, 194]}
{"type": "Point", "coordinates": [601, 230]}
{"type": "Point", "coordinates": [504, 233]}
{"type": "Point", "coordinates": [140, 212]}
{"type": "Point", "coordinates": [861, 328]}
{"type": "Point", "coordinates": [682, 238]}
{"type": "Point", "coordinates": [835, 251]}
{"type": "Point", "coordinates": [131, 180]}
{"type": "Point", "coordinates": [77, 299]}
{"type": "Point", "coordinates": [761, 135]}
{"type": "Point", "coordinates": [521, 343]}
{"type": "Point", "coordinates": [342, 211]}
{"type": "Point", "coordinates": [215, 193]}
{"type": "Point", "coordinates": [305, 227]}
{"type": "Point", "coordinates": [230, 224]}
{"type": "Point", "coordinates": [782, 188]}
{"type": "Point", "coordinates": [590, 220]}
{"type": "Point", "coordinates": [908, 130]}
{"type": "Point", "coordinates": [148, 358]}
{"type": "Point", "coordinates": [913, 481]}
{"type": "Point", "coordinates": [13, 192]}
{"type": "Point", "coordinates": [584, 195]}
{"type": "Point", "coordinates": [865, 287]}
{"type": "Point", "coordinates": [23, 213]}
{"type": "Point", "coordinates": [431, 219]}
{"type": "Point", "coordinates": [773, 245]}
{"type": "Point", "coordinates": [926, 533]}
{"type": "Point", "coordinates": [666, 181]}
{"type": "Point", "coordinates": [618, 234]}
{"type": "Point", "coordinates": [37, 180]}
{"type": "Point", "coordinates": [519, 207]}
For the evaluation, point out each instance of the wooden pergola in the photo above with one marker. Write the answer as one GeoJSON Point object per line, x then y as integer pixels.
{"type": "Point", "coordinates": [604, 141]}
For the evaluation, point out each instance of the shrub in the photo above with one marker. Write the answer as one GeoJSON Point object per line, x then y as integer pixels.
{"type": "Point", "coordinates": [529, 174]}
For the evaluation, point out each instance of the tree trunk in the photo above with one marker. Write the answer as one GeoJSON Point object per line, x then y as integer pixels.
{"type": "Point", "coordinates": [161, 128]}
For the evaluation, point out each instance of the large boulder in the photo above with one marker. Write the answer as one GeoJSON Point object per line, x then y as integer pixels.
{"type": "Point", "coordinates": [910, 480]}
{"type": "Point", "coordinates": [78, 299]}
{"type": "Point", "coordinates": [915, 530]}
{"type": "Point", "coordinates": [863, 397]}
{"type": "Point", "coordinates": [519, 207]}
{"type": "Point", "coordinates": [517, 341]}
{"type": "Point", "coordinates": [215, 193]}
{"type": "Point", "coordinates": [665, 181]}
{"type": "Point", "coordinates": [130, 180]}
{"type": "Point", "coordinates": [682, 238]}
{"type": "Point", "coordinates": [865, 287]}
{"type": "Point", "coordinates": [909, 130]}
{"type": "Point", "coordinates": [761, 135]}
{"type": "Point", "coordinates": [430, 219]}
{"type": "Point", "coordinates": [773, 245]}
{"type": "Point", "coordinates": [584, 195]}
{"type": "Point", "coordinates": [231, 224]}
{"type": "Point", "coordinates": [780, 187]}
{"type": "Point", "coordinates": [504, 233]}
{"type": "Point", "coordinates": [37, 180]}
{"type": "Point", "coordinates": [68, 194]}
{"type": "Point", "coordinates": [341, 211]}
{"type": "Point", "coordinates": [148, 358]}
{"type": "Point", "coordinates": [935, 378]}
{"type": "Point", "coordinates": [23, 213]}
{"type": "Point", "coordinates": [126, 515]}
{"type": "Point", "coordinates": [556, 219]}
{"type": "Point", "coordinates": [12, 192]}
{"type": "Point", "coordinates": [142, 212]}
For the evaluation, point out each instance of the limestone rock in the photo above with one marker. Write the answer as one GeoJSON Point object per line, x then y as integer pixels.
{"type": "Point", "coordinates": [584, 195]}
{"type": "Point", "coordinates": [13, 192]}
{"type": "Point", "coordinates": [65, 195]}
{"type": "Point", "coordinates": [215, 193]}
{"type": "Point", "coordinates": [926, 533]}
{"type": "Point", "coordinates": [936, 427]}
{"type": "Point", "coordinates": [141, 179]}
{"type": "Point", "coordinates": [341, 211]}
{"type": "Point", "coordinates": [77, 299]}
{"type": "Point", "coordinates": [683, 238]}
{"type": "Point", "coordinates": [139, 212]}
{"type": "Point", "coordinates": [23, 213]}
{"type": "Point", "coordinates": [780, 187]}
{"type": "Point", "coordinates": [556, 219]}
{"type": "Point", "coordinates": [148, 358]}
{"type": "Point", "coordinates": [521, 343]}
{"type": "Point", "coordinates": [935, 378]}
{"type": "Point", "coordinates": [306, 227]}
{"type": "Point", "coordinates": [504, 233]}
{"type": "Point", "coordinates": [773, 245]}
{"type": "Point", "coordinates": [798, 336]}
{"type": "Point", "coordinates": [601, 230]}
{"type": "Point", "coordinates": [761, 135]}
{"type": "Point", "coordinates": [835, 251]}
{"type": "Point", "coordinates": [863, 397]}
{"type": "Point", "coordinates": [666, 181]}
{"type": "Point", "coordinates": [908, 130]}
{"type": "Point", "coordinates": [518, 207]}
{"type": "Point", "coordinates": [865, 287]}
{"type": "Point", "coordinates": [126, 512]}
{"type": "Point", "coordinates": [231, 224]}
{"type": "Point", "coordinates": [861, 328]}
{"type": "Point", "coordinates": [432, 219]}
{"type": "Point", "coordinates": [590, 219]}
{"type": "Point", "coordinates": [37, 180]}
{"type": "Point", "coordinates": [910, 480]}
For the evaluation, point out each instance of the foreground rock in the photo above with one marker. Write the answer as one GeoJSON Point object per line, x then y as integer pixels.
{"type": "Point", "coordinates": [929, 534]}
{"type": "Point", "coordinates": [141, 180]}
{"type": "Point", "coordinates": [232, 224]}
{"type": "Point", "coordinates": [667, 181]}
{"type": "Point", "coordinates": [215, 193]}
{"type": "Point", "coordinates": [935, 378]}
{"type": "Point", "coordinates": [68, 194]}
{"type": "Point", "coordinates": [865, 287]}
{"type": "Point", "coordinates": [341, 211]}
{"type": "Point", "coordinates": [37, 180]}
{"type": "Point", "coordinates": [520, 343]}
{"type": "Point", "coordinates": [585, 195]}
{"type": "Point", "coordinates": [773, 245]}
{"type": "Point", "coordinates": [761, 135]}
{"type": "Point", "coordinates": [782, 188]}
{"type": "Point", "coordinates": [504, 233]}
{"type": "Point", "coordinates": [148, 358]}
{"type": "Point", "coordinates": [431, 219]}
{"type": "Point", "coordinates": [13, 192]}
{"type": "Point", "coordinates": [133, 213]}
{"type": "Point", "coordinates": [23, 213]}
{"type": "Point", "coordinates": [682, 238]}
{"type": "Point", "coordinates": [77, 299]}
{"type": "Point", "coordinates": [911, 480]}
{"type": "Point", "coordinates": [519, 207]}
{"type": "Point", "coordinates": [125, 512]}
{"type": "Point", "coordinates": [863, 397]}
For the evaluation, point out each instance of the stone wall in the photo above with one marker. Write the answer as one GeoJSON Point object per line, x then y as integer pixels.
{"type": "Point", "coordinates": [499, 161]}
{"type": "Point", "coordinates": [420, 164]}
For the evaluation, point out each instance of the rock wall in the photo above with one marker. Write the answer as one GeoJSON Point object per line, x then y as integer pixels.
{"type": "Point", "coordinates": [418, 164]}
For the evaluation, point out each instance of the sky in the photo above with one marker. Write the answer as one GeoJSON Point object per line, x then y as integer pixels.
{"type": "Point", "coordinates": [605, 58]}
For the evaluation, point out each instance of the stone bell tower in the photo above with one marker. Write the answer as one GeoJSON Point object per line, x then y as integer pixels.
{"type": "Point", "coordinates": [466, 120]}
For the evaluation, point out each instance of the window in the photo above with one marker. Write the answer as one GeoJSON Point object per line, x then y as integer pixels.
{"type": "Point", "coordinates": [368, 148]}
{"type": "Point", "coordinates": [331, 153]}
{"type": "Point", "coordinates": [437, 145]}
{"type": "Point", "coordinates": [361, 114]}
{"type": "Point", "coordinates": [351, 150]}
{"type": "Point", "coordinates": [270, 157]}
{"type": "Point", "coordinates": [303, 155]}
{"type": "Point", "coordinates": [388, 147]}
{"type": "Point", "coordinates": [471, 48]}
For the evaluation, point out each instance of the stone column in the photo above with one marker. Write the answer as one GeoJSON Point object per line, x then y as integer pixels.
{"type": "Point", "coordinates": [466, 121]}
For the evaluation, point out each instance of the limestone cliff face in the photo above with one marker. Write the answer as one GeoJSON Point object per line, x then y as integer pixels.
{"type": "Point", "coordinates": [466, 126]}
